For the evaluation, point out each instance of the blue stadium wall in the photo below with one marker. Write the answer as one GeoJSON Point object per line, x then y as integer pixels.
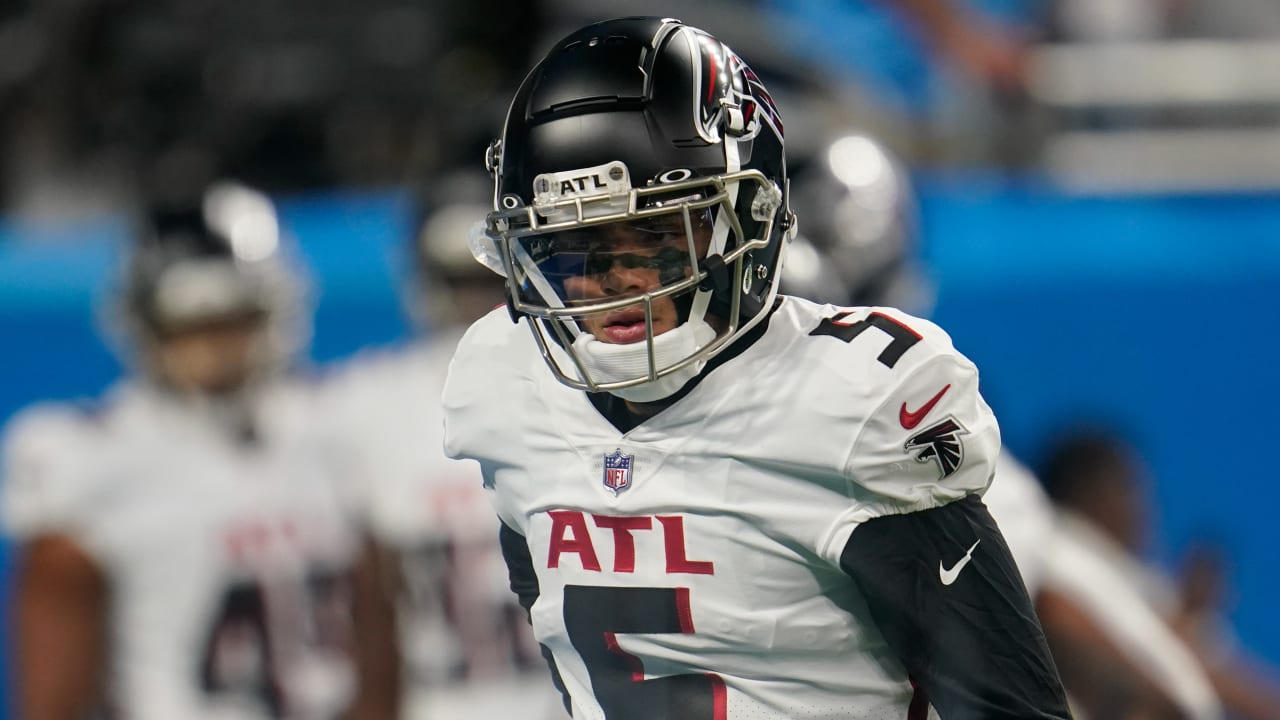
{"type": "Point", "coordinates": [1155, 314]}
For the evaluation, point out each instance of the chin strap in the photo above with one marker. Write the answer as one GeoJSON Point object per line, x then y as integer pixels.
{"type": "Point", "coordinates": [608, 363]}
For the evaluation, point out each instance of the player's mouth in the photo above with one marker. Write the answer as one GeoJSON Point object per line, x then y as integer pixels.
{"type": "Point", "coordinates": [624, 326]}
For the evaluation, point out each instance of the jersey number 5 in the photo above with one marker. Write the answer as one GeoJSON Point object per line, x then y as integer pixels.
{"type": "Point", "coordinates": [903, 337]}
{"type": "Point", "coordinates": [595, 616]}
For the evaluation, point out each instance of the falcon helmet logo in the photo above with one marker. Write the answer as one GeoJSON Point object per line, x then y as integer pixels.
{"type": "Point", "coordinates": [730, 94]}
{"type": "Point", "coordinates": [940, 442]}
{"type": "Point", "coordinates": [617, 471]}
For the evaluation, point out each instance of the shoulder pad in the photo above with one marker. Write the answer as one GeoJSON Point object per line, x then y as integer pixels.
{"type": "Point", "coordinates": [489, 367]}
{"type": "Point", "coordinates": [45, 453]}
{"type": "Point", "coordinates": [931, 440]}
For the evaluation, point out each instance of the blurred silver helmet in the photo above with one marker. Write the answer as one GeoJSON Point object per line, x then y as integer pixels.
{"type": "Point", "coordinates": [858, 239]}
{"type": "Point", "coordinates": [221, 257]}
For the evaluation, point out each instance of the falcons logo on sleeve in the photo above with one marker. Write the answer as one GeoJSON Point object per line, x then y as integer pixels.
{"type": "Point", "coordinates": [939, 442]}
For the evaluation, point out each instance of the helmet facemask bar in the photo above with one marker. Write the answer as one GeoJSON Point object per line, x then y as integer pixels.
{"type": "Point", "coordinates": [704, 208]}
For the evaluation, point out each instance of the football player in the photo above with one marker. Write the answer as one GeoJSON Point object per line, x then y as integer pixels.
{"type": "Point", "coordinates": [187, 548]}
{"type": "Point", "coordinates": [716, 501]}
{"type": "Point", "coordinates": [468, 653]}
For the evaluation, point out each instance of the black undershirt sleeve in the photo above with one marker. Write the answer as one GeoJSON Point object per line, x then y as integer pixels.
{"type": "Point", "coordinates": [524, 583]}
{"type": "Point", "coordinates": [964, 629]}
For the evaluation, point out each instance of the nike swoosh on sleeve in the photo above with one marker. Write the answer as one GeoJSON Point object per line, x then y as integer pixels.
{"type": "Point", "coordinates": [949, 576]}
{"type": "Point", "coordinates": [910, 419]}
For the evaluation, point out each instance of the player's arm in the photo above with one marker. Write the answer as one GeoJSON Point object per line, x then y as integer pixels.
{"type": "Point", "coordinates": [945, 593]}
{"type": "Point", "coordinates": [938, 578]}
{"type": "Point", "coordinates": [1103, 680]}
{"type": "Point", "coordinates": [524, 583]}
{"type": "Point", "coordinates": [60, 612]}
{"type": "Point", "coordinates": [377, 652]}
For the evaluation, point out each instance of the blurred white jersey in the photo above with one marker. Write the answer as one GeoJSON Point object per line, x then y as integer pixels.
{"type": "Point", "coordinates": [1025, 516]}
{"type": "Point", "coordinates": [1107, 583]}
{"type": "Point", "coordinates": [228, 559]}
{"type": "Point", "coordinates": [468, 650]}
{"type": "Point", "coordinates": [690, 568]}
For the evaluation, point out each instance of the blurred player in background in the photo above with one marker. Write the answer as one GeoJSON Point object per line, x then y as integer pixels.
{"type": "Point", "coordinates": [187, 548]}
{"type": "Point", "coordinates": [468, 653]}
{"type": "Point", "coordinates": [1118, 656]}
{"type": "Point", "coordinates": [1131, 641]}
{"type": "Point", "coordinates": [712, 504]}
{"type": "Point", "coordinates": [858, 245]}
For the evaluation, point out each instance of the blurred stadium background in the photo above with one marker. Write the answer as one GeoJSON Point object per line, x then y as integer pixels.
{"type": "Point", "coordinates": [1099, 189]}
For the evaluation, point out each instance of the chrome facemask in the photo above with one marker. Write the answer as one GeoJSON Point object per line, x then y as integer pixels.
{"type": "Point", "coordinates": [564, 254]}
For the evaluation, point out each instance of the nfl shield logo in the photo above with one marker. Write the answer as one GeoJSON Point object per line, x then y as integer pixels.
{"type": "Point", "coordinates": [617, 471]}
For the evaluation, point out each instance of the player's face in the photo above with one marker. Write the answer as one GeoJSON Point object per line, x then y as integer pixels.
{"type": "Point", "coordinates": [214, 357]}
{"type": "Point", "coordinates": [631, 259]}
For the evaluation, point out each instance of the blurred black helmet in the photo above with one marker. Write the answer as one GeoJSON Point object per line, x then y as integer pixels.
{"type": "Point", "coordinates": [859, 242]}
{"type": "Point", "coordinates": [219, 257]}
{"type": "Point", "coordinates": [653, 127]}
{"type": "Point", "coordinates": [448, 287]}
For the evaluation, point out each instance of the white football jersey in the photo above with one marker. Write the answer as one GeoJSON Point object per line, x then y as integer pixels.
{"type": "Point", "coordinates": [468, 651]}
{"type": "Point", "coordinates": [689, 568]}
{"type": "Point", "coordinates": [228, 562]}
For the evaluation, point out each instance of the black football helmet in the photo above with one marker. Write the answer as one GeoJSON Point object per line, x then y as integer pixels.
{"type": "Point", "coordinates": [650, 133]}
{"type": "Point", "coordinates": [217, 258]}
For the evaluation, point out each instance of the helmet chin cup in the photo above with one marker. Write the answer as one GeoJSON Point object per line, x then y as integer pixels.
{"type": "Point", "coordinates": [610, 364]}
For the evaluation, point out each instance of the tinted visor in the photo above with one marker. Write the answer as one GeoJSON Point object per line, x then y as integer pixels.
{"type": "Point", "coordinates": [599, 263]}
